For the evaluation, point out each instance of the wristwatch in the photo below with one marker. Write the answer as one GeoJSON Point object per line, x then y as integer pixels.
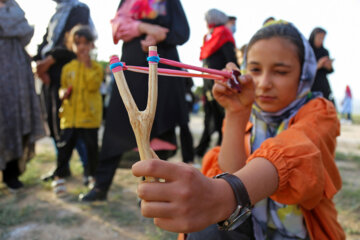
{"type": "Point", "coordinates": [243, 208]}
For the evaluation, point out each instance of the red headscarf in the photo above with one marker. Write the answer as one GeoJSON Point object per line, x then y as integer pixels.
{"type": "Point", "coordinates": [219, 37]}
{"type": "Point", "coordinates": [348, 91]}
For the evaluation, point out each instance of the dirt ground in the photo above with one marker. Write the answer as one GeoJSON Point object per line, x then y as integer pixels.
{"type": "Point", "coordinates": [36, 214]}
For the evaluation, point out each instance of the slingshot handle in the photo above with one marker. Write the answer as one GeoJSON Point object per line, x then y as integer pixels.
{"type": "Point", "coordinates": [141, 121]}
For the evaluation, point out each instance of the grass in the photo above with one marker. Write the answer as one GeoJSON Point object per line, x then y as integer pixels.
{"type": "Point", "coordinates": [355, 118]}
{"type": "Point", "coordinates": [349, 157]}
{"type": "Point", "coordinates": [11, 214]}
{"type": "Point", "coordinates": [121, 211]}
{"type": "Point", "coordinates": [347, 200]}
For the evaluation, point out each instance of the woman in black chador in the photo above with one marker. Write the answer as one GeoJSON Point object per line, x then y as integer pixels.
{"type": "Point", "coordinates": [324, 64]}
{"type": "Point", "coordinates": [140, 24]}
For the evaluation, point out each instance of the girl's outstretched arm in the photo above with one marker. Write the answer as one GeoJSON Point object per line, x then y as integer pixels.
{"type": "Point", "coordinates": [188, 201]}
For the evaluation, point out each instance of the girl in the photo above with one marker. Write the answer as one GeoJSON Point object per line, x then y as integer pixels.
{"type": "Point", "coordinates": [81, 109]}
{"type": "Point", "coordinates": [282, 160]}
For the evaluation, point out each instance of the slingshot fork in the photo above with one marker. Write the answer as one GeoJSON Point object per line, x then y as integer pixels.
{"type": "Point", "coordinates": [141, 121]}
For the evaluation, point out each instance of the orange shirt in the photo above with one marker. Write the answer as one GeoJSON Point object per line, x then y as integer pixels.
{"type": "Point", "coordinates": [303, 155]}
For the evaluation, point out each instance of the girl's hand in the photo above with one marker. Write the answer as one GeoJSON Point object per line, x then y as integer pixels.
{"type": "Point", "coordinates": [187, 201]}
{"type": "Point", "coordinates": [230, 99]}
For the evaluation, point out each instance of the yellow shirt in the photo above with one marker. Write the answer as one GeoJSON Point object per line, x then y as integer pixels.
{"type": "Point", "coordinates": [83, 109]}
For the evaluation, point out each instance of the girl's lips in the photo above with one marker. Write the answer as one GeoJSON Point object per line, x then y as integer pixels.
{"type": "Point", "coordinates": [264, 98]}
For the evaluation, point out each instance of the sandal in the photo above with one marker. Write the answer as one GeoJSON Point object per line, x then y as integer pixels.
{"type": "Point", "coordinates": [59, 187]}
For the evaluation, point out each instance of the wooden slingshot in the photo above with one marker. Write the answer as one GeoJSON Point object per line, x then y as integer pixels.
{"type": "Point", "coordinates": [141, 121]}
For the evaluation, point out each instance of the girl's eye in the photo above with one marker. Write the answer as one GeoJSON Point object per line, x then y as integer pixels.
{"type": "Point", "coordinates": [281, 72]}
{"type": "Point", "coordinates": [254, 70]}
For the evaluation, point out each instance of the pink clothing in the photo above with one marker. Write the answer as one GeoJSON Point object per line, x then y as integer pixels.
{"type": "Point", "coordinates": [124, 26]}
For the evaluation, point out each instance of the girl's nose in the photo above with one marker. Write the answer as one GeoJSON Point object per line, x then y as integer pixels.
{"type": "Point", "coordinates": [265, 81]}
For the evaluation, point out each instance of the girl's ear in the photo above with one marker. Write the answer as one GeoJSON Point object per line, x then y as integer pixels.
{"type": "Point", "coordinates": [92, 45]}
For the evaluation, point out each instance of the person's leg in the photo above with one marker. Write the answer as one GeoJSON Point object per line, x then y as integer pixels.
{"type": "Point", "coordinates": [90, 138]}
{"type": "Point", "coordinates": [52, 105]}
{"type": "Point", "coordinates": [11, 175]}
{"type": "Point", "coordinates": [349, 117]}
{"type": "Point", "coordinates": [104, 175]}
{"type": "Point", "coordinates": [65, 147]}
{"type": "Point", "coordinates": [50, 176]}
{"type": "Point", "coordinates": [80, 147]}
{"type": "Point", "coordinates": [206, 135]}
{"type": "Point", "coordinates": [218, 119]}
{"type": "Point", "coordinates": [187, 148]}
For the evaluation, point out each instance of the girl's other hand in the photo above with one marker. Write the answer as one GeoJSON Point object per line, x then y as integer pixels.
{"type": "Point", "coordinates": [229, 98]}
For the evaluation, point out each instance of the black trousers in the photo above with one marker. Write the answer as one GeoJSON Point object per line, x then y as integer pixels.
{"type": "Point", "coordinates": [214, 116]}
{"type": "Point", "coordinates": [11, 170]}
{"type": "Point", "coordinates": [67, 143]}
{"type": "Point", "coordinates": [186, 140]}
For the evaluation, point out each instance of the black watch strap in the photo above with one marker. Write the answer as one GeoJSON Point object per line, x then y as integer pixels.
{"type": "Point", "coordinates": [243, 209]}
{"type": "Point", "coordinates": [240, 192]}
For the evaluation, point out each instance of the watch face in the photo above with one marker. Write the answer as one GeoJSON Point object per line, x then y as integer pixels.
{"type": "Point", "coordinates": [245, 212]}
{"type": "Point", "coordinates": [236, 219]}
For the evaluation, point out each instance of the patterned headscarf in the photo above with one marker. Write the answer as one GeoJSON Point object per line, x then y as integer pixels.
{"type": "Point", "coordinates": [58, 21]}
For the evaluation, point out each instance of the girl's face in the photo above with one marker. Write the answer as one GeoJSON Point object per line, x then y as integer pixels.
{"type": "Point", "coordinates": [81, 46]}
{"type": "Point", "coordinates": [275, 67]}
{"type": "Point", "coordinates": [319, 39]}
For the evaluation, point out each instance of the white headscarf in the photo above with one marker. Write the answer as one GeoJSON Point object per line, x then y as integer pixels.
{"type": "Point", "coordinates": [58, 21]}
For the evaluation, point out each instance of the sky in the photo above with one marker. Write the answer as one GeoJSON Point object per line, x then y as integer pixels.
{"type": "Point", "coordinates": [341, 20]}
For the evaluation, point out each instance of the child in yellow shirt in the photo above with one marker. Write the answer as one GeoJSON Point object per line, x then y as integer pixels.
{"type": "Point", "coordinates": [81, 109]}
